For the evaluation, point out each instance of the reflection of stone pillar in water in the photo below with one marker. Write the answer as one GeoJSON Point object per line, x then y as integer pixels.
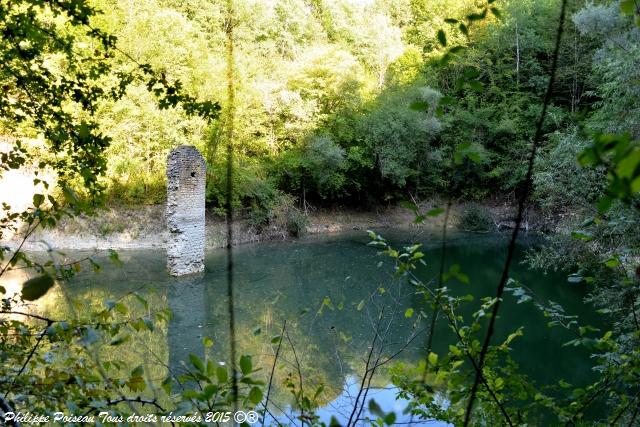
{"type": "Point", "coordinates": [186, 328]}
{"type": "Point", "coordinates": [185, 211]}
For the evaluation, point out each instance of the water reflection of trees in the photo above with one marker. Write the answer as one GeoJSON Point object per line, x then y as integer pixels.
{"type": "Point", "coordinates": [317, 287]}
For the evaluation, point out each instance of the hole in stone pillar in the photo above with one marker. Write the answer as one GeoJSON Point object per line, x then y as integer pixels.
{"type": "Point", "coordinates": [193, 174]}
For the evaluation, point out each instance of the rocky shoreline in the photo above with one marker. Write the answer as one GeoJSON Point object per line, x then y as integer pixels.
{"type": "Point", "coordinates": [144, 227]}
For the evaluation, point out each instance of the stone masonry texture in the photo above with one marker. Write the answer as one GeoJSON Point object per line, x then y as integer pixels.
{"type": "Point", "coordinates": [185, 211]}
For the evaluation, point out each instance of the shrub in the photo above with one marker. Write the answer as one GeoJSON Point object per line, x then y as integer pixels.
{"type": "Point", "coordinates": [476, 218]}
{"type": "Point", "coordinates": [280, 215]}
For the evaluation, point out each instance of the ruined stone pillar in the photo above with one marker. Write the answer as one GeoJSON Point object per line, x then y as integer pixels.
{"type": "Point", "coordinates": [185, 211]}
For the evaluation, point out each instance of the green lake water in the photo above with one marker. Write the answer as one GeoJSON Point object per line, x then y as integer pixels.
{"type": "Point", "coordinates": [316, 285]}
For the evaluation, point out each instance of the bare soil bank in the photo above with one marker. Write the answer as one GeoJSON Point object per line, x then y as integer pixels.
{"type": "Point", "coordinates": [144, 227]}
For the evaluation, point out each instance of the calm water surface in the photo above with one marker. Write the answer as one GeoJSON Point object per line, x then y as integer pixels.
{"type": "Point", "coordinates": [316, 285]}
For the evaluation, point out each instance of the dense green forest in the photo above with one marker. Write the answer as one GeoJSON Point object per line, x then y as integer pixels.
{"type": "Point", "coordinates": [299, 104]}
{"type": "Point", "coordinates": [324, 91]}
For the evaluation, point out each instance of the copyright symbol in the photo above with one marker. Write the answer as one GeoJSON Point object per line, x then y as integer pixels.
{"type": "Point", "coordinates": [239, 417]}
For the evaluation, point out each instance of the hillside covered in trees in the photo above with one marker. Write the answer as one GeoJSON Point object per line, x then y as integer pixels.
{"type": "Point", "coordinates": [325, 91]}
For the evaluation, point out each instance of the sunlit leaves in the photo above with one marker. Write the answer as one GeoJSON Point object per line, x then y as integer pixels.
{"type": "Point", "coordinates": [433, 359]}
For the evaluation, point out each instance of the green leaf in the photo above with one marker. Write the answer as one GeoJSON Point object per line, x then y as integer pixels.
{"type": "Point", "coordinates": [375, 409]}
{"type": "Point", "coordinates": [451, 21]}
{"type": "Point", "coordinates": [245, 364]}
{"type": "Point", "coordinates": [628, 165]}
{"type": "Point", "coordinates": [209, 391]}
{"type": "Point", "coordinates": [444, 60]}
{"type": "Point", "coordinates": [37, 200]}
{"type": "Point", "coordinates": [627, 7]}
{"type": "Point", "coordinates": [207, 342]}
{"type": "Point", "coordinates": [166, 384]}
{"type": "Point", "coordinates": [196, 362]}
{"type": "Point", "coordinates": [604, 204]}
{"type": "Point", "coordinates": [360, 305]}
{"type": "Point", "coordinates": [635, 184]}
{"type": "Point", "coordinates": [409, 205]}
{"type": "Point", "coordinates": [121, 308]}
{"type": "Point", "coordinates": [120, 340]}
{"type": "Point", "coordinates": [514, 335]}
{"type": "Point", "coordinates": [222, 374]}
{"type": "Point", "coordinates": [137, 324]}
{"type": "Point", "coordinates": [613, 262]}
{"type": "Point", "coordinates": [435, 212]}
{"type": "Point", "coordinates": [582, 235]}
{"type": "Point", "coordinates": [255, 395]}
{"type": "Point", "coordinates": [455, 350]}
{"type": "Point", "coordinates": [442, 38]}
{"type": "Point", "coordinates": [142, 301]}
{"type": "Point", "coordinates": [138, 371]}
{"type": "Point", "coordinates": [319, 390]}
{"type": "Point", "coordinates": [136, 383]}
{"type": "Point", "coordinates": [36, 287]}
{"type": "Point", "coordinates": [477, 16]}
{"type": "Point", "coordinates": [408, 313]}
{"type": "Point", "coordinates": [464, 29]}
{"type": "Point", "coordinates": [433, 359]}
{"type": "Point", "coordinates": [276, 339]}
{"type": "Point", "coordinates": [115, 259]}
{"type": "Point", "coordinates": [390, 418]}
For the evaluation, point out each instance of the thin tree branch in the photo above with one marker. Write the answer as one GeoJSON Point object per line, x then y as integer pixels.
{"type": "Point", "coordinates": [26, 362]}
{"type": "Point", "coordinates": [273, 369]}
{"type": "Point", "coordinates": [122, 399]}
{"type": "Point", "coordinates": [295, 355]}
{"type": "Point", "coordinates": [364, 378]}
{"type": "Point", "coordinates": [230, 42]}
{"type": "Point", "coordinates": [521, 204]}
{"type": "Point", "coordinates": [17, 251]}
